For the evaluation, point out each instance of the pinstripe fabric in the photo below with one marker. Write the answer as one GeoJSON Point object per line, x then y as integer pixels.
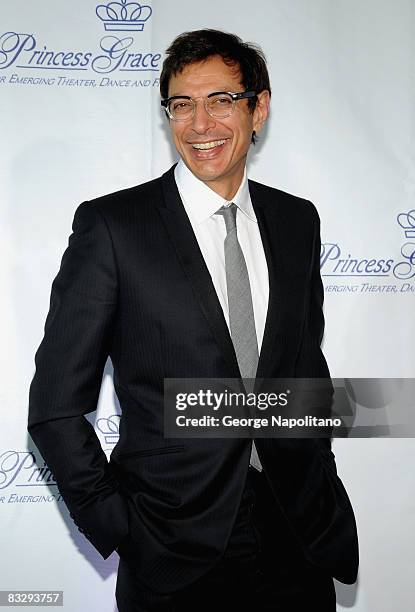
{"type": "Point", "coordinates": [133, 286]}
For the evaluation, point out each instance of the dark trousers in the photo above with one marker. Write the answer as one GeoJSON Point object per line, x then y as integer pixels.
{"type": "Point", "coordinates": [262, 570]}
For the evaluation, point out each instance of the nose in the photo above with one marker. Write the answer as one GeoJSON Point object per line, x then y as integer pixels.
{"type": "Point", "coordinates": [201, 121]}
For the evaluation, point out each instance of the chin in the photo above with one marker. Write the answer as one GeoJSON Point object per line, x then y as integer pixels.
{"type": "Point", "coordinates": [204, 172]}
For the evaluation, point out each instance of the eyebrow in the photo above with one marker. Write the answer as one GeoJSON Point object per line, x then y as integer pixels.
{"type": "Point", "coordinates": [216, 90]}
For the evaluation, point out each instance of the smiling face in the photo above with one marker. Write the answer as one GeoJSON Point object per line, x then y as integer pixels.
{"type": "Point", "coordinates": [215, 149]}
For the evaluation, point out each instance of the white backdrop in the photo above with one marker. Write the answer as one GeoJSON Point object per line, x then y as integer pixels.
{"type": "Point", "coordinates": [79, 117]}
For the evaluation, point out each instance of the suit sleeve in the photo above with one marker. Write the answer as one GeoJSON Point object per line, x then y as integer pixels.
{"type": "Point", "coordinates": [309, 490]}
{"type": "Point", "coordinates": [69, 367]}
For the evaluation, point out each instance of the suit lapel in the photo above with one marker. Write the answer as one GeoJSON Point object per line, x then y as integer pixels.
{"type": "Point", "coordinates": [267, 217]}
{"type": "Point", "coordinates": [181, 234]}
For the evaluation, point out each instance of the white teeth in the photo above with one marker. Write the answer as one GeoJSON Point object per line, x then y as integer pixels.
{"type": "Point", "coordinates": [209, 145]}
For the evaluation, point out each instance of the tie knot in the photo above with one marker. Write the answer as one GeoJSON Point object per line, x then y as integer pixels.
{"type": "Point", "coordinates": [229, 214]}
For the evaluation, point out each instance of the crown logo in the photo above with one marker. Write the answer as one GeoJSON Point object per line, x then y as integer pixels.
{"type": "Point", "coordinates": [407, 222]}
{"type": "Point", "coordinates": [123, 16]}
{"type": "Point", "coordinates": [110, 428]}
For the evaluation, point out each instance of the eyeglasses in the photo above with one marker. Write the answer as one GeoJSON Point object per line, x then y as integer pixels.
{"type": "Point", "coordinates": [218, 104]}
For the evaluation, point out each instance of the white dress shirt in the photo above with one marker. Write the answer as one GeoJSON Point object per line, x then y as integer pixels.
{"type": "Point", "coordinates": [201, 203]}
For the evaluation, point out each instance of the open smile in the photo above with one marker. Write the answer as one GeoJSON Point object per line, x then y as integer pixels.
{"type": "Point", "coordinates": [208, 145]}
{"type": "Point", "coordinates": [208, 150]}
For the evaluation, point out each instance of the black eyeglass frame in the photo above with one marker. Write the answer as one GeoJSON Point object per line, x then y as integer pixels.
{"type": "Point", "coordinates": [235, 96]}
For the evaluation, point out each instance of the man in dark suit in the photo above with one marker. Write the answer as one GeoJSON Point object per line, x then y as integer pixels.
{"type": "Point", "coordinates": [197, 274]}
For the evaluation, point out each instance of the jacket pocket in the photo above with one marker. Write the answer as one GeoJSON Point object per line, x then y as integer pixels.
{"type": "Point", "coordinates": [161, 450]}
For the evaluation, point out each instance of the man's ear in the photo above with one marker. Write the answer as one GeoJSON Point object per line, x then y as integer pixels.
{"type": "Point", "coordinates": [261, 110]}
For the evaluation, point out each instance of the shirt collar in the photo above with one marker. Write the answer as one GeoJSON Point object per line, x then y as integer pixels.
{"type": "Point", "coordinates": [201, 202]}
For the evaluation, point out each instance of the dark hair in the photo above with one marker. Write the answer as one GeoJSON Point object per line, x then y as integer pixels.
{"type": "Point", "coordinates": [199, 45]}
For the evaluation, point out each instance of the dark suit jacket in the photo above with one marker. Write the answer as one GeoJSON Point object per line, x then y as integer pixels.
{"type": "Point", "coordinates": [133, 285]}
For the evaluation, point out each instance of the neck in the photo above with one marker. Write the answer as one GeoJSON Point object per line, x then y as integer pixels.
{"type": "Point", "coordinates": [226, 189]}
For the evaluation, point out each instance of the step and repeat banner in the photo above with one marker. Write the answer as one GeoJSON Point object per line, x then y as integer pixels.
{"type": "Point", "coordinates": [80, 117]}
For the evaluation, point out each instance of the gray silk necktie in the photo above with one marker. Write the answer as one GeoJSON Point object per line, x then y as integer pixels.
{"type": "Point", "coordinates": [241, 310]}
